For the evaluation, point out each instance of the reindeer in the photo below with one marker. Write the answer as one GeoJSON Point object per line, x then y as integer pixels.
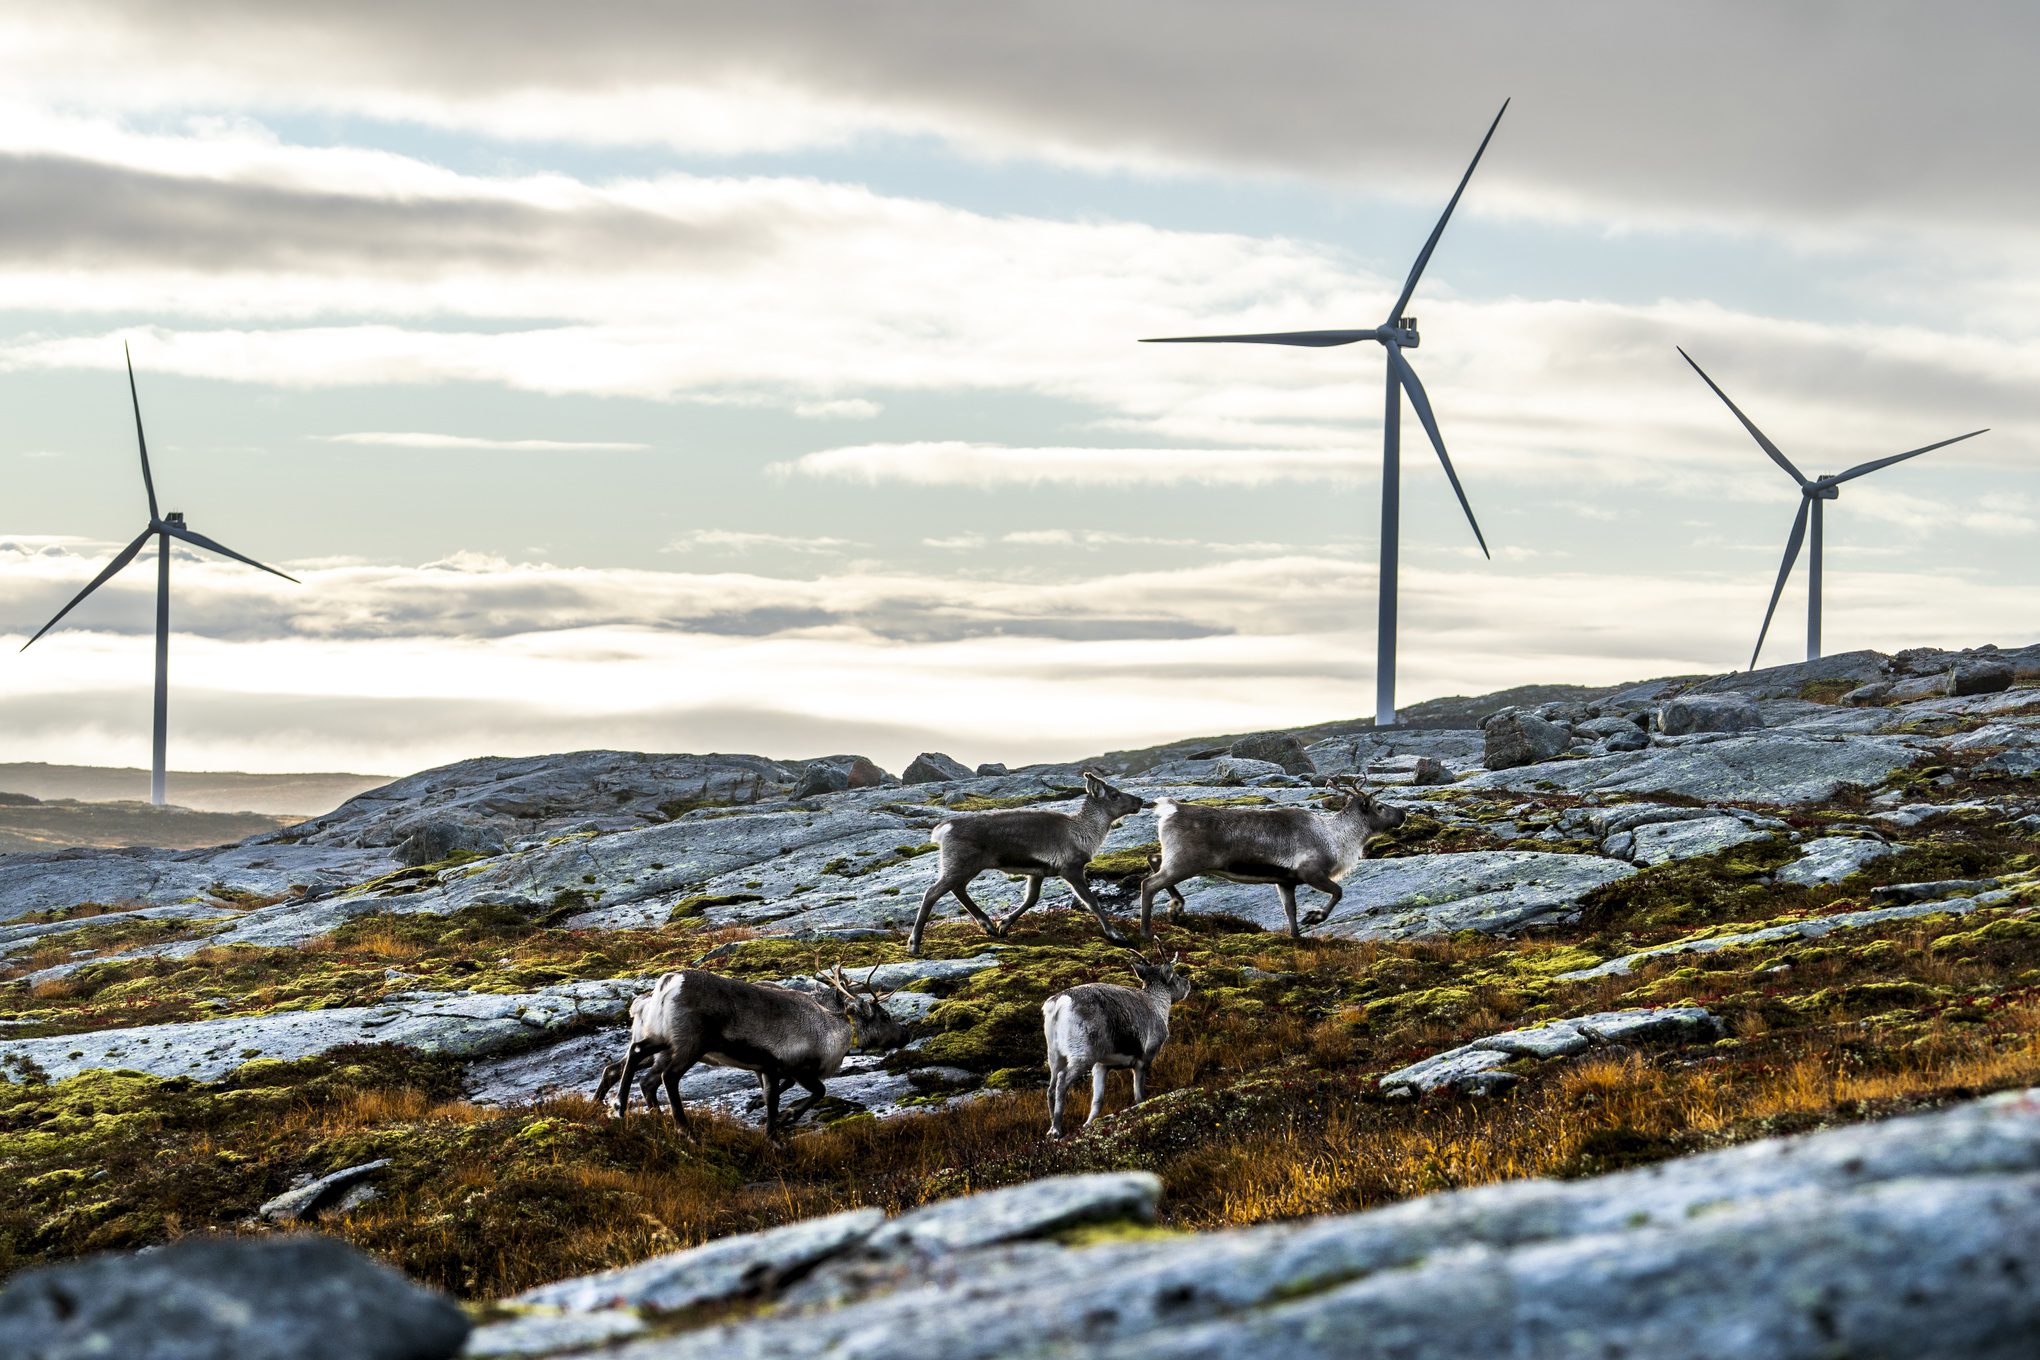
{"type": "Point", "coordinates": [786, 1037]}
{"type": "Point", "coordinates": [1101, 1025]}
{"type": "Point", "coordinates": [1288, 847]}
{"type": "Point", "coordinates": [1033, 842]}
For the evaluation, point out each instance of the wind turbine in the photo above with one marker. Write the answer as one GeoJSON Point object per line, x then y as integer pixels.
{"type": "Point", "coordinates": [1395, 335]}
{"type": "Point", "coordinates": [1812, 492]}
{"type": "Point", "coordinates": [162, 528]}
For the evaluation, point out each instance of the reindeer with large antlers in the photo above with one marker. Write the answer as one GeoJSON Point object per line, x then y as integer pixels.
{"type": "Point", "coordinates": [1286, 846]}
{"type": "Point", "coordinates": [1101, 1025]}
{"type": "Point", "coordinates": [787, 1037]}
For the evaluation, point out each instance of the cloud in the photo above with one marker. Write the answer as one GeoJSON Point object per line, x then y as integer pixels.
{"type": "Point", "coordinates": [986, 466]}
{"type": "Point", "coordinates": [1621, 109]}
{"type": "Point", "coordinates": [464, 443]}
{"type": "Point", "coordinates": [843, 408]}
{"type": "Point", "coordinates": [739, 542]}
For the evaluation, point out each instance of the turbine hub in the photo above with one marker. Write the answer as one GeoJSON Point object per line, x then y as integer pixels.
{"type": "Point", "coordinates": [175, 517]}
{"type": "Point", "coordinates": [1826, 491]}
{"type": "Point", "coordinates": [1402, 331]}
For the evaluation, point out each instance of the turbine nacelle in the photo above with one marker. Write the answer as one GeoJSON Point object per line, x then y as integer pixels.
{"type": "Point", "coordinates": [1823, 489]}
{"type": "Point", "coordinates": [1401, 332]}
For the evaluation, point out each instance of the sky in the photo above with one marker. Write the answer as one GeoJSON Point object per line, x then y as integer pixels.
{"type": "Point", "coordinates": [763, 377]}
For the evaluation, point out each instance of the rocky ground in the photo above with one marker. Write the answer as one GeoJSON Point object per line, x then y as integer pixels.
{"type": "Point", "coordinates": [1654, 925]}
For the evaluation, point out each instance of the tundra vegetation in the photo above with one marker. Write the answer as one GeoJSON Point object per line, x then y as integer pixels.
{"type": "Point", "coordinates": [1264, 1104]}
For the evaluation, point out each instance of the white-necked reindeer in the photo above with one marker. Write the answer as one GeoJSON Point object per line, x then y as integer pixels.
{"type": "Point", "coordinates": [1034, 842]}
{"type": "Point", "coordinates": [1287, 847]}
{"type": "Point", "coordinates": [1101, 1025]}
{"type": "Point", "coordinates": [788, 1038]}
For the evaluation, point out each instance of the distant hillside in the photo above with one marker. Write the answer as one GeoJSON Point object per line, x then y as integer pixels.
{"type": "Point", "coordinates": [281, 795]}
{"type": "Point", "coordinates": [27, 824]}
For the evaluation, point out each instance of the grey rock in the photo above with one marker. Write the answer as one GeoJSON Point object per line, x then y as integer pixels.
{"type": "Point", "coordinates": [296, 1297]}
{"type": "Point", "coordinates": [1876, 692]}
{"type": "Point", "coordinates": [1748, 1241]}
{"type": "Point", "coordinates": [1830, 859]}
{"type": "Point", "coordinates": [932, 767]}
{"type": "Point", "coordinates": [1760, 767]}
{"type": "Point", "coordinates": [1429, 773]}
{"type": "Point", "coordinates": [1477, 1068]}
{"type": "Point", "coordinates": [1422, 896]}
{"type": "Point", "coordinates": [1221, 772]}
{"type": "Point", "coordinates": [1277, 748]}
{"type": "Point", "coordinates": [1980, 676]}
{"type": "Point", "coordinates": [819, 779]}
{"type": "Point", "coordinates": [433, 841]}
{"type": "Point", "coordinates": [1790, 680]}
{"type": "Point", "coordinates": [541, 1333]}
{"type": "Point", "coordinates": [305, 1202]}
{"type": "Point", "coordinates": [1513, 738]}
{"type": "Point", "coordinates": [1664, 842]}
{"type": "Point", "coordinates": [728, 1268]}
{"type": "Point", "coordinates": [454, 1023]}
{"type": "Point", "coordinates": [1811, 928]}
{"type": "Point", "coordinates": [1033, 1209]}
{"type": "Point", "coordinates": [992, 767]}
{"type": "Point", "coordinates": [1934, 891]}
{"type": "Point", "coordinates": [2019, 764]}
{"type": "Point", "coordinates": [1691, 713]}
{"type": "Point", "coordinates": [1631, 739]}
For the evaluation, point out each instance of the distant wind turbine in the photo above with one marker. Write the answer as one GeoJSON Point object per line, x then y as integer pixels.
{"type": "Point", "coordinates": [163, 528]}
{"type": "Point", "coordinates": [1395, 335]}
{"type": "Point", "coordinates": [1811, 493]}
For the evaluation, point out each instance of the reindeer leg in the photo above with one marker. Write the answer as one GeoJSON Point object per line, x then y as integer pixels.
{"type": "Point", "coordinates": [940, 886]}
{"type": "Point", "coordinates": [1059, 1083]}
{"type": "Point", "coordinates": [609, 1075]}
{"type": "Point", "coordinates": [1026, 905]}
{"type": "Point", "coordinates": [633, 1057]}
{"type": "Point", "coordinates": [770, 1085]}
{"type": "Point", "coordinates": [962, 891]}
{"type": "Point", "coordinates": [813, 1086]}
{"type": "Point", "coordinates": [671, 1077]}
{"type": "Point", "coordinates": [1158, 881]}
{"type": "Point", "coordinates": [1329, 886]}
{"type": "Point", "coordinates": [1288, 891]}
{"type": "Point", "coordinates": [649, 1084]}
{"type": "Point", "coordinates": [1075, 878]}
{"type": "Point", "coordinates": [1140, 1076]}
{"type": "Point", "coordinates": [1097, 1094]}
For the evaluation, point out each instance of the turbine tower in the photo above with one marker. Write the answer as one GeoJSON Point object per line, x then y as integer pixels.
{"type": "Point", "coordinates": [1812, 493]}
{"type": "Point", "coordinates": [1395, 335]}
{"type": "Point", "coordinates": [162, 528]}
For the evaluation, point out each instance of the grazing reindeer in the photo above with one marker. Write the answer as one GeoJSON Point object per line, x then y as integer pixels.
{"type": "Point", "coordinates": [1101, 1025]}
{"type": "Point", "coordinates": [787, 1037]}
{"type": "Point", "coordinates": [1288, 847]}
{"type": "Point", "coordinates": [648, 1076]}
{"type": "Point", "coordinates": [1033, 842]}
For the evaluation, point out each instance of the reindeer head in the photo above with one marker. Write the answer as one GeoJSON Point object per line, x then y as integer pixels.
{"type": "Point", "coordinates": [1117, 804]}
{"type": "Point", "coordinates": [873, 1028]}
{"type": "Point", "coordinates": [1161, 973]}
{"type": "Point", "coordinates": [1361, 804]}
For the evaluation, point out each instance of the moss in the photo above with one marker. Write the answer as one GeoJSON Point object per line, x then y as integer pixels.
{"type": "Point", "coordinates": [1134, 859]}
{"type": "Point", "coordinates": [693, 906]}
{"type": "Point", "coordinates": [977, 802]}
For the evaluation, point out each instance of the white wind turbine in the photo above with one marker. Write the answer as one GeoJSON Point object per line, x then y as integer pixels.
{"type": "Point", "coordinates": [1812, 493]}
{"type": "Point", "coordinates": [1395, 335]}
{"type": "Point", "coordinates": [162, 528]}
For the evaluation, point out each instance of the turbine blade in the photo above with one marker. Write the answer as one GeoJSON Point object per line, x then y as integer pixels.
{"type": "Point", "coordinates": [1862, 468]}
{"type": "Point", "coordinates": [1314, 339]}
{"type": "Point", "coordinates": [1424, 256]}
{"type": "Point", "coordinates": [1422, 402]}
{"type": "Point", "coordinates": [1784, 570]}
{"type": "Point", "coordinates": [121, 559]}
{"type": "Point", "coordinates": [1763, 442]}
{"type": "Point", "coordinates": [148, 482]}
{"type": "Point", "coordinates": [201, 541]}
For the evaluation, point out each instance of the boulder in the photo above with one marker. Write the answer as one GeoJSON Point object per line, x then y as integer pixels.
{"type": "Point", "coordinates": [1430, 772]}
{"type": "Point", "coordinates": [932, 767]}
{"type": "Point", "coordinates": [729, 1268]}
{"type": "Point", "coordinates": [1629, 739]}
{"type": "Point", "coordinates": [1033, 1209]}
{"type": "Point", "coordinates": [336, 1191]}
{"type": "Point", "coordinates": [1830, 859]}
{"type": "Point", "coordinates": [1979, 676]}
{"type": "Point", "coordinates": [1514, 738]}
{"type": "Point", "coordinates": [438, 839]}
{"type": "Point", "coordinates": [819, 779]}
{"type": "Point", "coordinates": [1869, 696]}
{"type": "Point", "coordinates": [1477, 1068]}
{"type": "Point", "coordinates": [992, 768]}
{"type": "Point", "coordinates": [295, 1297]}
{"type": "Point", "coordinates": [864, 774]}
{"type": "Point", "coordinates": [1218, 772]}
{"type": "Point", "coordinates": [1664, 842]}
{"type": "Point", "coordinates": [1277, 748]}
{"type": "Point", "coordinates": [1691, 713]}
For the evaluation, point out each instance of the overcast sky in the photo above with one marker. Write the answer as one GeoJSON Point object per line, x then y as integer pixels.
{"type": "Point", "coordinates": [763, 377]}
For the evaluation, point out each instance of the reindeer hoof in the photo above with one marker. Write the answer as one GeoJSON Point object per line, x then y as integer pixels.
{"type": "Point", "coordinates": [1316, 918]}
